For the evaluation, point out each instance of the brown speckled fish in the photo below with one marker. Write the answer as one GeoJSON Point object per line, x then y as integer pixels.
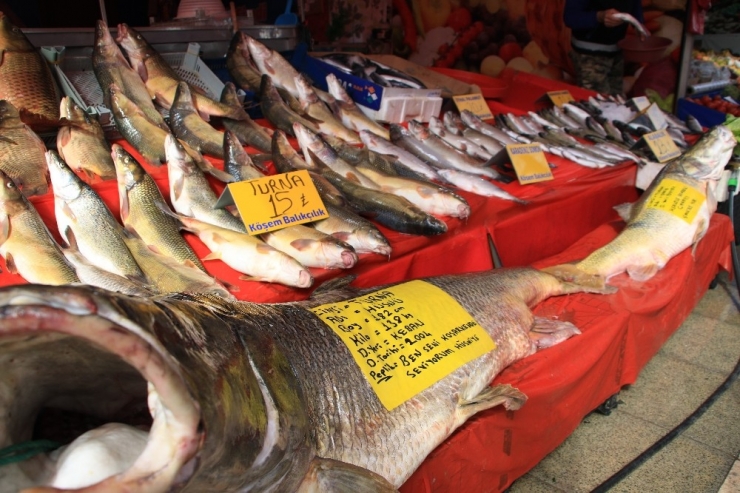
{"type": "Point", "coordinates": [247, 396]}
{"type": "Point", "coordinates": [25, 77]}
{"type": "Point", "coordinates": [22, 152]}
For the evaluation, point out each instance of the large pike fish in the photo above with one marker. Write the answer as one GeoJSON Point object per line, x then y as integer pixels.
{"type": "Point", "coordinates": [188, 126]}
{"type": "Point", "coordinates": [249, 397]}
{"type": "Point", "coordinates": [672, 215]}
{"type": "Point", "coordinates": [25, 78]}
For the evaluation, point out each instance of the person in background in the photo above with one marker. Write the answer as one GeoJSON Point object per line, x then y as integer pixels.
{"type": "Point", "coordinates": [595, 31]}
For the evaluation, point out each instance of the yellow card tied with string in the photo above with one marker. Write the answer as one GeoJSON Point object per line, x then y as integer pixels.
{"type": "Point", "coordinates": [407, 337]}
{"type": "Point", "coordinates": [680, 199]}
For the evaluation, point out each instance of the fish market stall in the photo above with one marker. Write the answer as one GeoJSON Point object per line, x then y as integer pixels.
{"type": "Point", "coordinates": [196, 367]}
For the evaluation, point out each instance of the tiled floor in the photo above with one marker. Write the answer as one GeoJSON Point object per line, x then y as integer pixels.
{"type": "Point", "coordinates": [687, 369]}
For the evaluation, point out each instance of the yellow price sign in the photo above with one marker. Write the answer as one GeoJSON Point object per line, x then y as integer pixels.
{"type": "Point", "coordinates": [559, 98]}
{"type": "Point", "coordinates": [274, 202]}
{"type": "Point", "coordinates": [406, 337]}
{"type": "Point", "coordinates": [662, 145]}
{"type": "Point", "coordinates": [529, 163]}
{"type": "Point", "coordinates": [677, 198]}
{"type": "Point", "coordinates": [475, 103]}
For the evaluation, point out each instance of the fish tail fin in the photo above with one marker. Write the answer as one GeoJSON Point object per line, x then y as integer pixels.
{"type": "Point", "coordinates": [333, 476]}
{"type": "Point", "coordinates": [575, 280]}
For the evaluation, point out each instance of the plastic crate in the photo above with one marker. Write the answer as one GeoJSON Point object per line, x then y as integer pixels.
{"type": "Point", "coordinates": [78, 81]}
{"type": "Point", "coordinates": [706, 116]}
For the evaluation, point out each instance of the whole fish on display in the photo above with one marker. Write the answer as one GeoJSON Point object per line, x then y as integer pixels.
{"type": "Point", "coordinates": [270, 62]}
{"type": "Point", "coordinates": [111, 67]}
{"type": "Point", "coordinates": [190, 193]}
{"type": "Point", "coordinates": [237, 162]}
{"type": "Point", "coordinates": [83, 145]}
{"type": "Point", "coordinates": [654, 234]}
{"type": "Point", "coordinates": [311, 247]}
{"type": "Point", "coordinates": [189, 127]}
{"type": "Point", "coordinates": [22, 152]}
{"type": "Point", "coordinates": [458, 141]}
{"type": "Point", "coordinates": [25, 78]}
{"type": "Point", "coordinates": [405, 158]}
{"type": "Point", "coordinates": [251, 397]}
{"type": "Point", "coordinates": [161, 79]}
{"type": "Point", "coordinates": [354, 230]}
{"type": "Point", "coordinates": [477, 185]}
{"type": "Point", "coordinates": [317, 109]}
{"type": "Point", "coordinates": [312, 142]}
{"type": "Point", "coordinates": [247, 130]}
{"type": "Point", "coordinates": [240, 64]}
{"type": "Point", "coordinates": [454, 124]}
{"type": "Point", "coordinates": [277, 112]}
{"type": "Point", "coordinates": [249, 255]}
{"type": "Point", "coordinates": [347, 111]}
{"type": "Point", "coordinates": [25, 242]}
{"type": "Point", "coordinates": [80, 211]}
{"type": "Point", "coordinates": [144, 212]}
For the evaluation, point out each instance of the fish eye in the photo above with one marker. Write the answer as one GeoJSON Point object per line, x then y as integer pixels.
{"type": "Point", "coordinates": [10, 184]}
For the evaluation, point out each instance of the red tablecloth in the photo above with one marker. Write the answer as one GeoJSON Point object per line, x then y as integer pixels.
{"type": "Point", "coordinates": [621, 332]}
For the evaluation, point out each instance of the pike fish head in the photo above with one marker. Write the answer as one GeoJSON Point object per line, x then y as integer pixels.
{"type": "Point", "coordinates": [65, 183]}
{"type": "Point", "coordinates": [240, 47]}
{"type": "Point", "coordinates": [336, 89]}
{"type": "Point", "coordinates": [369, 139]}
{"type": "Point", "coordinates": [71, 111]}
{"type": "Point", "coordinates": [708, 157]}
{"type": "Point", "coordinates": [418, 130]}
{"type": "Point", "coordinates": [128, 170]}
{"type": "Point", "coordinates": [183, 101]}
{"type": "Point", "coordinates": [104, 43]}
{"type": "Point", "coordinates": [229, 96]}
{"type": "Point", "coordinates": [306, 94]}
{"type": "Point", "coordinates": [306, 138]}
{"type": "Point", "coordinates": [11, 36]}
{"type": "Point", "coordinates": [259, 52]}
{"type": "Point", "coordinates": [9, 194]}
{"type": "Point", "coordinates": [397, 132]}
{"type": "Point", "coordinates": [132, 42]}
{"type": "Point", "coordinates": [101, 341]}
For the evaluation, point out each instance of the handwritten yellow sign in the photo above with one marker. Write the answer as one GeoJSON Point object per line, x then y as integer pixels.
{"type": "Point", "coordinates": [273, 202]}
{"type": "Point", "coordinates": [559, 98]}
{"type": "Point", "coordinates": [529, 163]}
{"type": "Point", "coordinates": [662, 145]}
{"type": "Point", "coordinates": [406, 337]}
{"type": "Point", "coordinates": [474, 103]}
{"type": "Point", "coordinates": [680, 199]}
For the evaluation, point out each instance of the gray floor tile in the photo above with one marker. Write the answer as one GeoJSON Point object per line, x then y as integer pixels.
{"type": "Point", "coordinates": [682, 466]}
{"type": "Point", "coordinates": [668, 390]}
{"type": "Point", "coordinates": [720, 303]}
{"type": "Point", "coordinates": [531, 484]}
{"type": "Point", "coordinates": [719, 426]}
{"type": "Point", "coordinates": [600, 446]}
{"type": "Point", "coordinates": [705, 342]}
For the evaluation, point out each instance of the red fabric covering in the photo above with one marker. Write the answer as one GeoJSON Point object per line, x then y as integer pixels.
{"type": "Point", "coordinates": [621, 332]}
{"type": "Point", "coordinates": [525, 90]}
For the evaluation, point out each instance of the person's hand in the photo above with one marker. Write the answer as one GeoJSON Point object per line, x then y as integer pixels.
{"type": "Point", "coordinates": [608, 18]}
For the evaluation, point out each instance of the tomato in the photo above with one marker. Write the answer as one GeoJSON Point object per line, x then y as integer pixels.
{"type": "Point", "coordinates": [510, 50]}
{"type": "Point", "coordinates": [459, 19]}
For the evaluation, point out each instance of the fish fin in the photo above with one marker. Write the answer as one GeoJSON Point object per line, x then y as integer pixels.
{"type": "Point", "coordinates": [67, 211]}
{"type": "Point", "coordinates": [177, 187]}
{"type": "Point", "coordinates": [8, 140]}
{"type": "Point", "coordinates": [492, 396]}
{"type": "Point", "coordinates": [334, 284]}
{"type": "Point", "coordinates": [248, 278]}
{"type": "Point", "coordinates": [342, 235]}
{"type": "Point", "coordinates": [425, 191]}
{"type": "Point", "coordinates": [137, 279]}
{"type": "Point", "coordinates": [264, 248]}
{"type": "Point", "coordinates": [575, 280]}
{"type": "Point", "coordinates": [69, 235]}
{"type": "Point", "coordinates": [333, 476]}
{"type": "Point", "coordinates": [547, 333]}
{"type": "Point", "coordinates": [642, 272]}
{"type": "Point", "coordinates": [302, 244]}
{"type": "Point", "coordinates": [624, 210]}
{"type": "Point", "coordinates": [125, 206]}
{"type": "Point", "coordinates": [213, 256]}
{"type": "Point", "coordinates": [4, 228]}
{"type": "Point", "coordinates": [10, 263]}
{"type": "Point", "coordinates": [233, 288]}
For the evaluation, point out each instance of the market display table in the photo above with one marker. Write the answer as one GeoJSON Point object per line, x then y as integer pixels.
{"type": "Point", "coordinates": [621, 332]}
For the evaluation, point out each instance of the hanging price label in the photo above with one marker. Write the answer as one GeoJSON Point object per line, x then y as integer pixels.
{"type": "Point", "coordinates": [662, 145]}
{"type": "Point", "coordinates": [529, 163]}
{"type": "Point", "coordinates": [274, 202]}
{"type": "Point", "coordinates": [559, 98]}
{"type": "Point", "coordinates": [677, 198]}
{"type": "Point", "coordinates": [641, 103]}
{"type": "Point", "coordinates": [475, 103]}
{"type": "Point", "coordinates": [406, 337]}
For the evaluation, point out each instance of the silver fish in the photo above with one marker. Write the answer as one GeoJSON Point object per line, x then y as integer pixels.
{"type": "Point", "coordinates": [477, 185]}
{"type": "Point", "coordinates": [387, 148]}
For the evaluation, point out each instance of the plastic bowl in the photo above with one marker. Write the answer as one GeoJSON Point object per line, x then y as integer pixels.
{"type": "Point", "coordinates": [648, 50]}
{"type": "Point", "coordinates": [490, 87]}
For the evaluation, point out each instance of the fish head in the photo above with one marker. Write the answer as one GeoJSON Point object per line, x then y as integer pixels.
{"type": "Point", "coordinates": [10, 193]}
{"type": "Point", "coordinates": [335, 87]}
{"type": "Point", "coordinates": [178, 161]}
{"type": "Point", "coordinates": [104, 342]}
{"type": "Point", "coordinates": [240, 46]}
{"type": "Point", "coordinates": [398, 132]}
{"type": "Point", "coordinates": [707, 158]}
{"type": "Point", "coordinates": [69, 110]}
{"type": "Point", "coordinates": [306, 138]}
{"type": "Point", "coordinates": [228, 94]}
{"type": "Point", "coordinates": [368, 138]}
{"type": "Point", "coordinates": [306, 94]}
{"type": "Point", "coordinates": [183, 97]}
{"type": "Point", "coordinates": [132, 41]}
{"type": "Point", "coordinates": [104, 42]}
{"type": "Point", "coordinates": [65, 183]}
{"type": "Point", "coordinates": [372, 240]}
{"type": "Point", "coordinates": [453, 122]}
{"type": "Point", "coordinates": [121, 105]}
{"type": "Point", "coordinates": [259, 51]}
{"type": "Point", "coordinates": [469, 119]}
{"type": "Point", "coordinates": [128, 171]}
{"type": "Point", "coordinates": [11, 36]}
{"type": "Point", "coordinates": [418, 129]}
{"type": "Point", "coordinates": [234, 151]}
